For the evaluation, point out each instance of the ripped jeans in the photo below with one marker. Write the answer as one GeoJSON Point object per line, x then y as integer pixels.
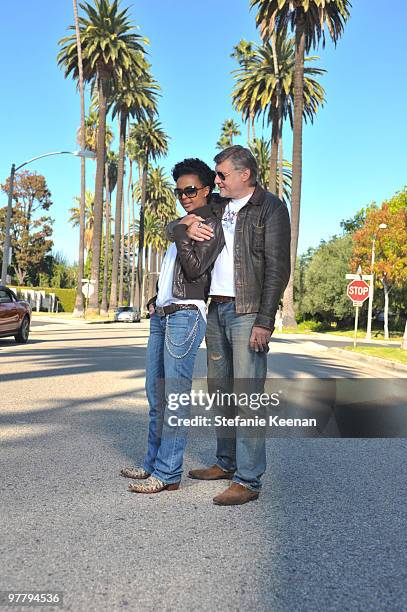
{"type": "Point", "coordinates": [234, 367]}
{"type": "Point", "coordinates": [172, 348]}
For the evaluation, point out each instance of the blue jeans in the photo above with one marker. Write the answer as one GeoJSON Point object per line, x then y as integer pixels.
{"type": "Point", "coordinates": [234, 367]}
{"type": "Point", "coordinates": [172, 347]}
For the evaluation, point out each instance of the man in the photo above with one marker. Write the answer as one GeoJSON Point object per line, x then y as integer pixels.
{"type": "Point", "coordinates": [242, 313]}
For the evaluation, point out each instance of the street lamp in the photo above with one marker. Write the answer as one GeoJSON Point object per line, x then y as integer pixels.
{"type": "Point", "coordinates": [6, 244]}
{"type": "Point", "coordinates": [371, 288]}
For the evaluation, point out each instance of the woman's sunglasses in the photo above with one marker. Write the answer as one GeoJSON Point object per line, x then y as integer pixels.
{"type": "Point", "coordinates": [189, 192]}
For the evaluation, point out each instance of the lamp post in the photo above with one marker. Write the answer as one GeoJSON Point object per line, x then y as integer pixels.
{"type": "Point", "coordinates": [371, 289]}
{"type": "Point", "coordinates": [6, 243]}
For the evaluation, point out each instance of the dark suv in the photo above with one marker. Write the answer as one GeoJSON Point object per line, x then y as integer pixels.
{"type": "Point", "coordinates": [15, 316]}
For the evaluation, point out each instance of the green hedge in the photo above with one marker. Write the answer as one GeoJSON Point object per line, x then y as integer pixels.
{"type": "Point", "coordinates": [66, 297]}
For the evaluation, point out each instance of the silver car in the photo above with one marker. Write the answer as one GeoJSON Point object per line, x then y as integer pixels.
{"type": "Point", "coordinates": [127, 314]}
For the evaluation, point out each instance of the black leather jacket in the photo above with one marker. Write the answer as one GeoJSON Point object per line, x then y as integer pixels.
{"type": "Point", "coordinates": [261, 254]}
{"type": "Point", "coordinates": [195, 260]}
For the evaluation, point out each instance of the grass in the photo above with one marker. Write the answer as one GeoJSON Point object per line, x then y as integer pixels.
{"type": "Point", "coordinates": [376, 334]}
{"type": "Point", "coordinates": [311, 327]}
{"type": "Point", "coordinates": [384, 352]}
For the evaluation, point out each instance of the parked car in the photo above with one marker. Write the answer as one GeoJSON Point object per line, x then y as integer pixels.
{"type": "Point", "coordinates": [128, 314]}
{"type": "Point", "coordinates": [15, 316]}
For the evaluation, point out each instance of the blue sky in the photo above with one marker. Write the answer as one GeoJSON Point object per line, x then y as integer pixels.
{"type": "Point", "coordinates": [354, 153]}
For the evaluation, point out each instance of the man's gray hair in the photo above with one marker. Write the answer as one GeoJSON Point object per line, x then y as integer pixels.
{"type": "Point", "coordinates": [241, 159]}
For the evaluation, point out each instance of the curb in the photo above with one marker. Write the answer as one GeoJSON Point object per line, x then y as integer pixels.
{"type": "Point", "coordinates": [384, 363]}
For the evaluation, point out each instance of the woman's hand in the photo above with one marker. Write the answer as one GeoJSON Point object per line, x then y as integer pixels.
{"type": "Point", "coordinates": [189, 219]}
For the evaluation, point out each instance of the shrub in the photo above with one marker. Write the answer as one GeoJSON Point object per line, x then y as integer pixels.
{"type": "Point", "coordinates": [311, 325]}
{"type": "Point", "coordinates": [66, 297]}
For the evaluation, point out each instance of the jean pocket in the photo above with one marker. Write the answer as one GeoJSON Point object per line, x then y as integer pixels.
{"type": "Point", "coordinates": [181, 325]}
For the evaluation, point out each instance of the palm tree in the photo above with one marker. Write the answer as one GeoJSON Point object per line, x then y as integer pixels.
{"type": "Point", "coordinates": [243, 53]}
{"type": "Point", "coordinates": [137, 97]}
{"type": "Point", "coordinates": [109, 44]}
{"type": "Point", "coordinates": [91, 130]}
{"type": "Point", "coordinates": [307, 18]}
{"type": "Point", "coordinates": [259, 91]}
{"type": "Point", "coordinates": [160, 209]}
{"type": "Point", "coordinates": [160, 206]}
{"type": "Point", "coordinates": [88, 220]}
{"type": "Point", "coordinates": [152, 143]}
{"type": "Point", "coordinates": [134, 155]}
{"type": "Point", "coordinates": [260, 147]}
{"type": "Point", "coordinates": [229, 130]}
{"type": "Point", "coordinates": [78, 309]}
{"type": "Point", "coordinates": [110, 180]}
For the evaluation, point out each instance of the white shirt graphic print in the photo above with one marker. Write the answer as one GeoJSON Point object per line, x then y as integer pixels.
{"type": "Point", "coordinates": [223, 280]}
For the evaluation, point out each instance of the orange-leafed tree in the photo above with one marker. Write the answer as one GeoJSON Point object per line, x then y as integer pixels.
{"type": "Point", "coordinates": [390, 267]}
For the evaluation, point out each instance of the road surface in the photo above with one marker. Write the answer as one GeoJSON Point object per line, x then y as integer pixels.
{"type": "Point", "coordinates": [327, 533]}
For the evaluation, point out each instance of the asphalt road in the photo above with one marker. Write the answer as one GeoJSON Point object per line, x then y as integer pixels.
{"type": "Point", "coordinates": [327, 533]}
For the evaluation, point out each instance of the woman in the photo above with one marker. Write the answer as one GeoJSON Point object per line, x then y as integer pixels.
{"type": "Point", "coordinates": [177, 327]}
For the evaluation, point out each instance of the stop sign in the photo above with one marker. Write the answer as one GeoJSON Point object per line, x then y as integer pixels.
{"type": "Point", "coordinates": [358, 291]}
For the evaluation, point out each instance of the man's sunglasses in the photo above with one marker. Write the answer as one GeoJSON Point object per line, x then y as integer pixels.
{"type": "Point", "coordinates": [223, 175]}
{"type": "Point", "coordinates": [189, 192]}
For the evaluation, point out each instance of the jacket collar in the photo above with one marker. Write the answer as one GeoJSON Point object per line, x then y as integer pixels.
{"type": "Point", "coordinates": [258, 196]}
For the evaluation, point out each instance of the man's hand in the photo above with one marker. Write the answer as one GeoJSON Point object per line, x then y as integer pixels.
{"type": "Point", "coordinates": [199, 231]}
{"type": "Point", "coordinates": [189, 219]}
{"type": "Point", "coordinates": [260, 338]}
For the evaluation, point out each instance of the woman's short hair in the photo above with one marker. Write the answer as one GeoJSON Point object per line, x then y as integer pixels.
{"type": "Point", "coordinates": [195, 166]}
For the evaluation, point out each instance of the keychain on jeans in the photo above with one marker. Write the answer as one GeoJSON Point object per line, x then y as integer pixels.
{"type": "Point", "coordinates": [192, 335]}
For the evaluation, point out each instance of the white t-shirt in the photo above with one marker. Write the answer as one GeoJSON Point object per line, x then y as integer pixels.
{"type": "Point", "coordinates": [165, 297]}
{"type": "Point", "coordinates": [223, 280]}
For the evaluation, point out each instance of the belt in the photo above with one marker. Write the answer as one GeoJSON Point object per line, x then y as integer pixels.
{"type": "Point", "coordinates": [171, 308]}
{"type": "Point", "coordinates": [220, 299]}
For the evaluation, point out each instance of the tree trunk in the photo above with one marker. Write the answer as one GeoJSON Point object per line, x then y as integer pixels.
{"type": "Point", "coordinates": [275, 135]}
{"type": "Point", "coordinates": [386, 308]}
{"type": "Point", "coordinates": [122, 256]}
{"type": "Point", "coordinates": [280, 162]}
{"type": "Point", "coordinates": [274, 155]}
{"type": "Point", "coordinates": [78, 309]}
{"type": "Point", "coordinates": [118, 213]}
{"type": "Point", "coordinates": [104, 305]}
{"type": "Point", "coordinates": [20, 276]}
{"type": "Point", "coordinates": [145, 284]}
{"type": "Point", "coordinates": [99, 184]}
{"type": "Point", "coordinates": [129, 186]}
{"type": "Point", "coordinates": [133, 238]}
{"type": "Point", "coordinates": [141, 234]}
{"type": "Point", "coordinates": [288, 310]}
{"type": "Point", "coordinates": [404, 342]}
{"type": "Point", "coordinates": [154, 273]}
{"type": "Point", "coordinates": [253, 128]}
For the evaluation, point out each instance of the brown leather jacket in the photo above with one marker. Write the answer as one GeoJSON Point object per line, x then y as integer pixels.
{"type": "Point", "coordinates": [261, 254]}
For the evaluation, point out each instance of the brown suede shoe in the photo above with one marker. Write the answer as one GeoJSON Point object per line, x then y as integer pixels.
{"type": "Point", "coordinates": [235, 495]}
{"type": "Point", "coordinates": [212, 473]}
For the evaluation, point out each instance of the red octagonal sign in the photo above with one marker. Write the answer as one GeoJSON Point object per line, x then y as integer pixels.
{"type": "Point", "coordinates": [358, 291]}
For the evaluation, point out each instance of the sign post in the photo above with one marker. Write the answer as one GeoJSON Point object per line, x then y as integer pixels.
{"type": "Point", "coordinates": [88, 289]}
{"type": "Point", "coordinates": [358, 292]}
